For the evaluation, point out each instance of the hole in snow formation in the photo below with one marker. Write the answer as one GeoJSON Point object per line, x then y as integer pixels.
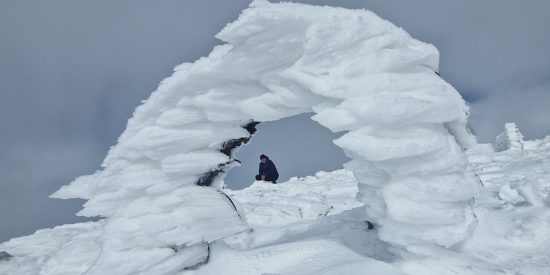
{"type": "Point", "coordinates": [297, 145]}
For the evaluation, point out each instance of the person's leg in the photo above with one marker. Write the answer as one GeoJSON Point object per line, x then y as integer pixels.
{"type": "Point", "coordinates": [271, 179]}
{"type": "Point", "coordinates": [258, 177]}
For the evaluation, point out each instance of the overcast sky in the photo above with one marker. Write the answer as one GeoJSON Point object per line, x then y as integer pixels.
{"type": "Point", "coordinates": [71, 73]}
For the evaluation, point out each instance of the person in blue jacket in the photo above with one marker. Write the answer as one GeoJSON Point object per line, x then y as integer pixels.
{"type": "Point", "coordinates": [267, 170]}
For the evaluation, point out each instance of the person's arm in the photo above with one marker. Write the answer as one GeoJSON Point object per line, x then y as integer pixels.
{"type": "Point", "coordinates": [275, 172]}
{"type": "Point", "coordinates": [269, 168]}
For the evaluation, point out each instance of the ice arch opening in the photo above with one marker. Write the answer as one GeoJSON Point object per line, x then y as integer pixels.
{"type": "Point", "coordinates": [406, 129]}
{"type": "Point", "coordinates": [298, 145]}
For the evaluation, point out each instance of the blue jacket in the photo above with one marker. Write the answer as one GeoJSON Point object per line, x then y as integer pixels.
{"type": "Point", "coordinates": [268, 169]}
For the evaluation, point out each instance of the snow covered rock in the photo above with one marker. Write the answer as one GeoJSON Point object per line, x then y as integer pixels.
{"type": "Point", "coordinates": [510, 139]}
{"type": "Point", "coordinates": [160, 186]}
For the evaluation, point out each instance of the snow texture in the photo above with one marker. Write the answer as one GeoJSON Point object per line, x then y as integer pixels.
{"type": "Point", "coordinates": [510, 139]}
{"type": "Point", "coordinates": [405, 131]}
{"type": "Point", "coordinates": [514, 217]}
{"type": "Point", "coordinates": [314, 225]}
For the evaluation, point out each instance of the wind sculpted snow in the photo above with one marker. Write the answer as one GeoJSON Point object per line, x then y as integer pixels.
{"type": "Point", "coordinates": [314, 225]}
{"type": "Point", "coordinates": [405, 131]}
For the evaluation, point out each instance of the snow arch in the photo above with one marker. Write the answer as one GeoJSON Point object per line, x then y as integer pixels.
{"type": "Point", "coordinates": [406, 128]}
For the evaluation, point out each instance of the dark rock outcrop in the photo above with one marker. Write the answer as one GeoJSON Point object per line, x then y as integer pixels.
{"type": "Point", "coordinates": [227, 148]}
{"type": "Point", "coordinates": [230, 145]}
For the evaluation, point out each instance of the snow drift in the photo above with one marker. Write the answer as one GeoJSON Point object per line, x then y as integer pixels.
{"type": "Point", "coordinates": [159, 189]}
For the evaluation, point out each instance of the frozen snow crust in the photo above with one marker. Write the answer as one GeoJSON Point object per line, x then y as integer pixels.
{"type": "Point", "coordinates": [406, 130]}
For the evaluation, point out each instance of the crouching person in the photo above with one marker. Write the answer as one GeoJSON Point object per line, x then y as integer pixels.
{"type": "Point", "coordinates": [267, 170]}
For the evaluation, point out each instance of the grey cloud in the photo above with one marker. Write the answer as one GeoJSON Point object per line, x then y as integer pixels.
{"type": "Point", "coordinates": [528, 107]}
{"type": "Point", "coordinates": [31, 172]}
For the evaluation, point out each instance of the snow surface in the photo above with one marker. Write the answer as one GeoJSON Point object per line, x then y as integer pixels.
{"type": "Point", "coordinates": [315, 225]}
{"type": "Point", "coordinates": [513, 236]}
{"type": "Point", "coordinates": [511, 138]}
{"type": "Point", "coordinates": [513, 210]}
{"type": "Point", "coordinates": [405, 133]}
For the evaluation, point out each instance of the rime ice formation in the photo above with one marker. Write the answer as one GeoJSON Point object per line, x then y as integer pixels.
{"type": "Point", "coordinates": [159, 189]}
{"type": "Point", "coordinates": [511, 138]}
{"type": "Point", "coordinates": [314, 225]}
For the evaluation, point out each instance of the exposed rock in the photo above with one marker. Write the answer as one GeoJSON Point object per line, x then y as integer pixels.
{"type": "Point", "coordinates": [227, 148]}
{"type": "Point", "coordinates": [230, 145]}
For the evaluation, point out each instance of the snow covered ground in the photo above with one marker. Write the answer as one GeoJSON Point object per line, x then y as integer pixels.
{"type": "Point", "coordinates": [311, 225]}
{"type": "Point", "coordinates": [513, 232]}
